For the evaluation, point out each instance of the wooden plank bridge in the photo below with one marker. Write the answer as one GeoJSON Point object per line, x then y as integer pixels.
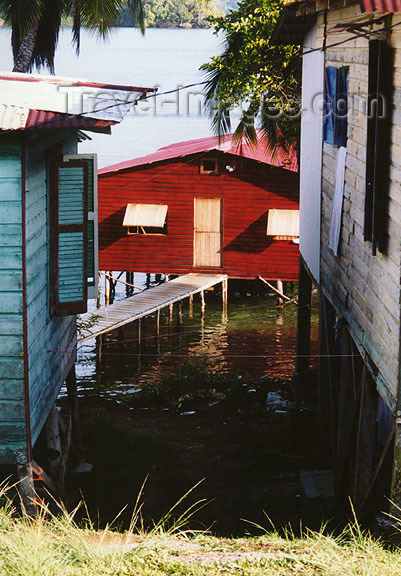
{"type": "Point", "coordinates": [150, 301]}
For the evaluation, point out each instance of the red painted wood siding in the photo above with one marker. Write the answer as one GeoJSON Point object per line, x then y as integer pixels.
{"type": "Point", "coordinates": [247, 194]}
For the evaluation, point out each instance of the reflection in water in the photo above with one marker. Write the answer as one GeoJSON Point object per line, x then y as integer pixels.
{"type": "Point", "coordinates": [252, 336]}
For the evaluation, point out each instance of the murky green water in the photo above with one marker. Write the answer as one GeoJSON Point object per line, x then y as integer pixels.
{"type": "Point", "coordinates": [254, 337]}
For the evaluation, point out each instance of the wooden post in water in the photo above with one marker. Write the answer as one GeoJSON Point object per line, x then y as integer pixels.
{"type": "Point", "coordinates": [302, 360]}
{"type": "Point", "coordinates": [179, 313]}
{"type": "Point", "coordinates": [71, 383]}
{"type": "Point", "coordinates": [106, 288]}
{"type": "Point", "coordinates": [171, 309]}
{"type": "Point", "coordinates": [280, 288]}
{"type": "Point", "coordinates": [202, 296]}
{"type": "Point", "coordinates": [139, 333]}
{"type": "Point", "coordinates": [191, 305]}
{"type": "Point", "coordinates": [158, 322]}
{"type": "Point", "coordinates": [224, 294]}
{"type": "Point", "coordinates": [99, 290]}
{"type": "Point", "coordinates": [53, 441]}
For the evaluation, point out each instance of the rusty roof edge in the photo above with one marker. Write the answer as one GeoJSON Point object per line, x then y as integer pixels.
{"type": "Point", "coordinates": [67, 81]}
{"type": "Point", "coordinates": [284, 32]}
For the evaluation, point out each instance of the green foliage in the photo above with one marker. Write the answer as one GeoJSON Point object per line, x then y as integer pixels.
{"type": "Point", "coordinates": [176, 14]}
{"type": "Point", "coordinates": [192, 383]}
{"type": "Point", "coordinates": [263, 79]}
{"type": "Point", "coordinates": [83, 325]}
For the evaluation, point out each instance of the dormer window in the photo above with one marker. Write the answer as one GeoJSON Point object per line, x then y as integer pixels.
{"type": "Point", "coordinates": [209, 166]}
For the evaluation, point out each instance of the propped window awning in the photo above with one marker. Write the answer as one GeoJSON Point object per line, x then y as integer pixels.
{"type": "Point", "coordinates": [283, 224]}
{"type": "Point", "coordinates": [145, 215]}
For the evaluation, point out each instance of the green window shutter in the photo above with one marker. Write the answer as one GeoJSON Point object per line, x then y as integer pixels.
{"type": "Point", "coordinates": [70, 237]}
{"type": "Point", "coordinates": [92, 231]}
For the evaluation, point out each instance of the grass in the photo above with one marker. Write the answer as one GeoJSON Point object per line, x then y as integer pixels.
{"type": "Point", "coordinates": [54, 545]}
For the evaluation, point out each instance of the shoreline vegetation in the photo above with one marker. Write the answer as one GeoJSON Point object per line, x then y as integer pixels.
{"type": "Point", "coordinates": [185, 14]}
{"type": "Point", "coordinates": [55, 544]}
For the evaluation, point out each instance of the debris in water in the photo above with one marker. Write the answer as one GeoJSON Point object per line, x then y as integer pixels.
{"type": "Point", "coordinates": [82, 468]}
{"type": "Point", "coordinates": [274, 402]}
{"type": "Point", "coordinates": [188, 413]}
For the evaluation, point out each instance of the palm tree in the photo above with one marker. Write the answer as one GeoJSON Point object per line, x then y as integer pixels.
{"type": "Point", "coordinates": [36, 25]}
{"type": "Point", "coordinates": [261, 79]}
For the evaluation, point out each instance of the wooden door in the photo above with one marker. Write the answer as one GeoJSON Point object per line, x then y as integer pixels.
{"type": "Point", "coordinates": [207, 232]}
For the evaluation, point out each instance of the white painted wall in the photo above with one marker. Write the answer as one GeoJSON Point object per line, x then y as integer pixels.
{"type": "Point", "coordinates": [311, 155]}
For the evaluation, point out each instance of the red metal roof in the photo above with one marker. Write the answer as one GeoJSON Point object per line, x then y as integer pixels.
{"type": "Point", "coordinates": [21, 118]}
{"type": "Point", "coordinates": [181, 149]}
{"type": "Point", "coordinates": [380, 5]}
{"type": "Point", "coordinates": [45, 119]}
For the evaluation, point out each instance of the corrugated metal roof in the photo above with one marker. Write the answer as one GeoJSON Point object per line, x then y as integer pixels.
{"type": "Point", "coordinates": [380, 5]}
{"type": "Point", "coordinates": [34, 100]}
{"type": "Point", "coordinates": [13, 117]}
{"type": "Point", "coordinates": [225, 145]}
{"type": "Point", "coordinates": [20, 118]}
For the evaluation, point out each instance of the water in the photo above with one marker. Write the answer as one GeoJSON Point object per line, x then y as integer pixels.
{"type": "Point", "coordinates": [254, 337]}
{"type": "Point", "coordinates": [163, 58]}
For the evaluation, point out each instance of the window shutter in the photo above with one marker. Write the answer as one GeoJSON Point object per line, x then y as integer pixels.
{"type": "Point", "coordinates": [69, 237]}
{"type": "Point", "coordinates": [378, 143]}
{"type": "Point", "coordinates": [92, 250]}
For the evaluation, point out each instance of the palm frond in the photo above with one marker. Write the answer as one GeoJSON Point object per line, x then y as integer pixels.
{"type": "Point", "coordinates": [137, 13]}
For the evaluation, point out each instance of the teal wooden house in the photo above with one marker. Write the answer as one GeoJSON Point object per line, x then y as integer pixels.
{"type": "Point", "coordinates": [47, 243]}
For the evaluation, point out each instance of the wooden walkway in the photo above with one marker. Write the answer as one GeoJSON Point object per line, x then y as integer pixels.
{"type": "Point", "coordinates": [147, 302]}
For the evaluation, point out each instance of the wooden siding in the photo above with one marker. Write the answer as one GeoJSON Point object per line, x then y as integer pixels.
{"type": "Point", "coordinates": [246, 194]}
{"type": "Point", "coordinates": [12, 399]}
{"type": "Point", "coordinates": [365, 289]}
{"type": "Point", "coordinates": [51, 341]}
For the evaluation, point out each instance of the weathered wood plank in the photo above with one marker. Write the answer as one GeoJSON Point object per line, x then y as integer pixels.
{"type": "Point", "coordinates": [149, 301]}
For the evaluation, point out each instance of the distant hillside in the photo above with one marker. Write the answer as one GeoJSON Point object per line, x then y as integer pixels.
{"type": "Point", "coordinates": [176, 14]}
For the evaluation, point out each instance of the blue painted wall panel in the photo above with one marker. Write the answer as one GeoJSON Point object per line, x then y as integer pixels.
{"type": "Point", "coordinates": [52, 341]}
{"type": "Point", "coordinates": [12, 399]}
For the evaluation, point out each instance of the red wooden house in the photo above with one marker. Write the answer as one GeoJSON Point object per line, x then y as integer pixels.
{"type": "Point", "coordinates": [201, 206]}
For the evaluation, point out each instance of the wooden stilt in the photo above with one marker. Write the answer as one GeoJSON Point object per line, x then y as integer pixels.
{"type": "Point", "coordinates": [73, 402]}
{"type": "Point", "coordinates": [280, 288]}
{"type": "Point", "coordinates": [191, 305]}
{"type": "Point", "coordinates": [179, 314]}
{"type": "Point", "coordinates": [302, 361]}
{"type": "Point", "coordinates": [139, 333]}
{"type": "Point", "coordinates": [202, 296]}
{"type": "Point", "coordinates": [325, 410]}
{"type": "Point", "coordinates": [158, 322]}
{"type": "Point", "coordinates": [26, 488]}
{"type": "Point", "coordinates": [107, 289]}
{"type": "Point", "coordinates": [171, 311]}
{"type": "Point", "coordinates": [224, 293]}
{"type": "Point", "coordinates": [53, 439]}
{"type": "Point", "coordinates": [167, 277]}
{"type": "Point", "coordinates": [99, 290]}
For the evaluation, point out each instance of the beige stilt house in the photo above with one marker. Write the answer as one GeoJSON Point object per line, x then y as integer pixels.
{"type": "Point", "coordinates": [350, 231]}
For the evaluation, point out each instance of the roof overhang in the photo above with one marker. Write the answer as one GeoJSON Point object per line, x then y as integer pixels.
{"type": "Point", "coordinates": [36, 101]}
{"type": "Point", "coordinates": [295, 19]}
{"type": "Point", "coordinates": [383, 6]}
